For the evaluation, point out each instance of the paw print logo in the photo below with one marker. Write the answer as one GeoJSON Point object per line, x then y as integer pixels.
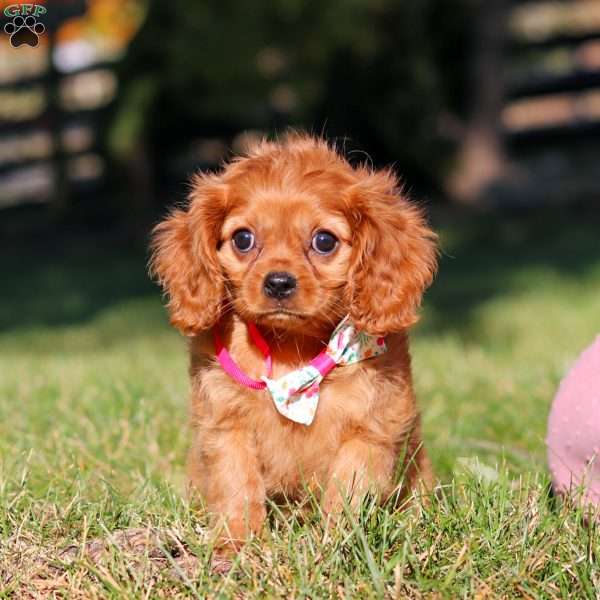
{"type": "Point", "coordinates": [24, 31]}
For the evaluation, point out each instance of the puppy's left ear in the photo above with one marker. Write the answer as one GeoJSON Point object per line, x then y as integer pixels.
{"type": "Point", "coordinates": [184, 258]}
{"type": "Point", "coordinates": [394, 256]}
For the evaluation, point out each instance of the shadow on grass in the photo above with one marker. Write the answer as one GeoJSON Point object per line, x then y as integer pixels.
{"type": "Point", "coordinates": [487, 257]}
{"type": "Point", "coordinates": [68, 281]}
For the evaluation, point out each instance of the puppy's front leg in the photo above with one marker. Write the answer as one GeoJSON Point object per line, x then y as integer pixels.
{"type": "Point", "coordinates": [359, 467]}
{"type": "Point", "coordinates": [418, 473]}
{"type": "Point", "coordinates": [224, 467]}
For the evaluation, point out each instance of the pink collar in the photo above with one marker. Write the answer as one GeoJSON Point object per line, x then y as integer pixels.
{"type": "Point", "coordinates": [322, 362]}
{"type": "Point", "coordinates": [296, 394]}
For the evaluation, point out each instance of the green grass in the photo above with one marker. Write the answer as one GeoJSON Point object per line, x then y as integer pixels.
{"type": "Point", "coordinates": [93, 433]}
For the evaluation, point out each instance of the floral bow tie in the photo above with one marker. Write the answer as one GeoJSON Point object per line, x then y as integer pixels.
{"type": "Point", "coordinates": [296, 395]}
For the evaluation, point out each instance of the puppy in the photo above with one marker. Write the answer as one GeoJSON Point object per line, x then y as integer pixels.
{"type": "Point", "coordinates": [285, 251]}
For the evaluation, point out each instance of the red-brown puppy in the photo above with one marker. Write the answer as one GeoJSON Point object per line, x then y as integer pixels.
{"type": "Point", "coordinates": [292, 238]}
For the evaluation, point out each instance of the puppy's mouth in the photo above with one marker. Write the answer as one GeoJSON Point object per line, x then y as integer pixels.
{"type": "Point", "coordinates": [281, 313]}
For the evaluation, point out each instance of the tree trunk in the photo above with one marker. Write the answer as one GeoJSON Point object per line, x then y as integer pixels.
{"type": "Point", "coordinates": [481, 158]}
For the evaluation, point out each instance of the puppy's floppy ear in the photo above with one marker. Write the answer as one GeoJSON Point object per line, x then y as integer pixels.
{"type": "Point", "coordinates": [184, 257]}
{"type": "Point", "coordinates": [394, 255]}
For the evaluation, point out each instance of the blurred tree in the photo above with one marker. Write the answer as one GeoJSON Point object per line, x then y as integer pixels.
{"type": "Point", "coordinates": [481, 159]}
{"type": "Point", "coordinates": [393, 96]}
{"type": "Point", "coordinates": [380, 72]}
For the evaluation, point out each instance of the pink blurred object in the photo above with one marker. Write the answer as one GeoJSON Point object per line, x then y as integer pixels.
{"type": "Point", "coordinates": [574, 429]}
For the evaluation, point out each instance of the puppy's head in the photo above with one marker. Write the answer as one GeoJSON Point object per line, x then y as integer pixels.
{"type": "Point", "coordinates": [292, 237]}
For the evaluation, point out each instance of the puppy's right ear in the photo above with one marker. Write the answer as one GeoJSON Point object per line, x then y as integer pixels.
{"type": "Point", "coordinates": [184, 258]}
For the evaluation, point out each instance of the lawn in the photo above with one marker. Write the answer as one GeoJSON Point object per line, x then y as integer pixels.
{"type": "Point", "coordinates": [93, 433]}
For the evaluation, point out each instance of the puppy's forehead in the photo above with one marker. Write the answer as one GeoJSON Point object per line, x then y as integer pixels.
{"type": "Point", "coordinates": [281, 213]}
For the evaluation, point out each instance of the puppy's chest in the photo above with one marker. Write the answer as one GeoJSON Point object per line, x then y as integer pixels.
{"type": "Point", "coordinates": [283, 444]}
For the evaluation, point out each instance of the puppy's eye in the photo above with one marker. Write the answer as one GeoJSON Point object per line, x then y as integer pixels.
{"type": "Point", "coordinates": [243, 240]}
{"type": "Point", "coordinates": [324, 242]}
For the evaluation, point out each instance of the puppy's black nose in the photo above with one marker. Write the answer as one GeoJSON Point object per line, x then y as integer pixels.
{"type": "Point", "coordinates": [279, 285]}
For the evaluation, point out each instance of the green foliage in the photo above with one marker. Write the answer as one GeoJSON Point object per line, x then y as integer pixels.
{"type": "Point", "coordinates": [381, 73]}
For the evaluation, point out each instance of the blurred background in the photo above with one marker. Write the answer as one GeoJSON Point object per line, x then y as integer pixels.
{"type": "Point", "coordinates": [489, 109]}
{"type": "Point", "coordinates": [494, 105]}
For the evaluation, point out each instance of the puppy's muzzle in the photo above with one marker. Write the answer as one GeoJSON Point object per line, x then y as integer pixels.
{"type": "Point", "coordinates": [279, 285]}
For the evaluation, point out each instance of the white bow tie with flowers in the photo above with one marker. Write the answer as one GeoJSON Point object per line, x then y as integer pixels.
{"type": "Point", "coordinates": [296, 394]}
